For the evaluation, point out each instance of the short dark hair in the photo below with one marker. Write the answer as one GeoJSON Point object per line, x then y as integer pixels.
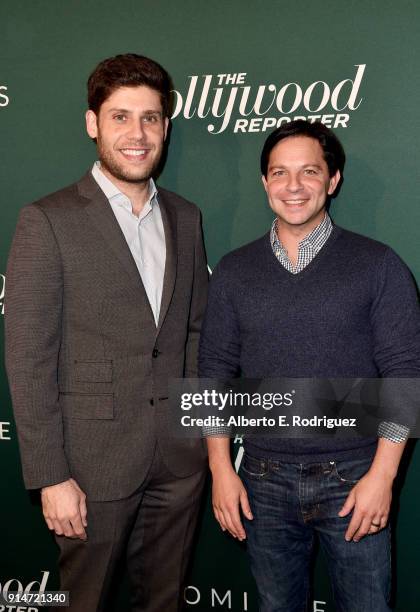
{"type": "Point", "coordinates": [127, 70]}
{"type": "Point", "coordinates": [332, 148]}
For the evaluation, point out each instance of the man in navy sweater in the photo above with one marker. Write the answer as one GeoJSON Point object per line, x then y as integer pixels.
{"type": "Point", "coordinates": [311, 300]}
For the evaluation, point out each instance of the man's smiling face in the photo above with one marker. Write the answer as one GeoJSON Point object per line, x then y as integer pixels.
{"type": "Point", "coordinates": [298, 182]}
{"type": "Point", "coordinates": [130, 131]}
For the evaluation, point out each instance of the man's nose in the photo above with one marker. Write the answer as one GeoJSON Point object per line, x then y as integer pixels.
{"type": "Point", "coordinates": [137, 130]}
{"type": "Point", "coordinates": [294, 183]}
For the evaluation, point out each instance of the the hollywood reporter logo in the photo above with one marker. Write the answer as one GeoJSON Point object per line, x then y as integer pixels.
{"type": "Point", "coordinates": [4, 98]}
{"type": "Point", "coordinates": [226, 100]}
{"type": "Point", "coordinates": [14, 585]}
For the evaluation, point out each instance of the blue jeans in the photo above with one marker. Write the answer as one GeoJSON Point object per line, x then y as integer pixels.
{"type": "Point", "coordinates": [290, 503]}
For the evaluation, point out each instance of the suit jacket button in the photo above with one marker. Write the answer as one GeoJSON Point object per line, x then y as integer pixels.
{"type": "Point", "coordinates": [151, 402]}
{"type": "Point", "coordinates": [155, 353]}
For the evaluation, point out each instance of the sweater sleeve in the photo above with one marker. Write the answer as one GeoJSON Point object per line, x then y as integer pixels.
{"type": "Point", "coordinates": [219, 353]}
{"type": "Point", "coordinates": [395, 317]}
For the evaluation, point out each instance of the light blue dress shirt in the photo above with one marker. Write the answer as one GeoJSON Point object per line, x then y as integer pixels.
{"type": "Point", "coordinates": [144, 235]}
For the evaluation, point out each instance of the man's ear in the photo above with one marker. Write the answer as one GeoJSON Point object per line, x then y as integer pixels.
{"type": "Point", "coordinates": [264, 182]}
{"type": "Point", "coordinates": [165, 127]}
{"type": "Point", "coordinates": [91, 124]}
{"type": "Point", "coordinates": [334, 180]}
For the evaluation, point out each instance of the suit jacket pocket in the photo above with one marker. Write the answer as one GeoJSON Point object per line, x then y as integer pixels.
{"type": "Point", "coordinates": [87, 405]}
{"type": "Point", "coordinates": [92, 371]}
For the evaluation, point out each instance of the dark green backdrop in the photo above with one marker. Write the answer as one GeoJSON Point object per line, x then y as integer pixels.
{"type": "Point", "coordinates": [48, 48]}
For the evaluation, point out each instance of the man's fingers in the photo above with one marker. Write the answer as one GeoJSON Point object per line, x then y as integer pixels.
{"type": "Point", "coordinates": [363, 529]}
{"type": "Point", "coordinates": [361, 525]}
{"type": "Point", "coordinates": [83, 510]}
{"type": "Point", "coordinates": [49, 523]}
{"type": "Point", "coordinates": [219, 518]}
{"type": "Point", "coordinates": [68, 530]}
{"type": "Point", "coordinates": [236, 522]}
{"type": "Point", "coordinates": [57, 527]}
{"type": "Point", "coordinates": [232, 524]}
{"type": "Point", "coordinates": [70, 527]}
{"type": "Point", "coordinates": [228, 523]}
{"type": "Point", "coordinates": [63, 527]}
{"type": "Point", "coordinates": [246, 508]}
{"type": "Point", "coordinates": [78, 530]}
{"type": "Point", "coordinates": [355, 523]}
{"type": "Point", "coordinates": [384, 521]}
{"type": "Point", "coordinates": [348, 504]}
{"type": "Point", "coordinates": [377, 524]}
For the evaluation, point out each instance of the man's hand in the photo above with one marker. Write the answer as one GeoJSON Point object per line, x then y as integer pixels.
{"type": "Point", "coordinates": [371, 497]}
{"type": "Point", "coordinates": [229, 495]}
{"type": "Point", "coordinates": [371, 500]}
{"type": "Point", "coordinates": [64, 509]}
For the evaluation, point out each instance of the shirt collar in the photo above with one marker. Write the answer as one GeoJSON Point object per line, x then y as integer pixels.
{"type": "Point", "coordinates": [112, 192]}
{"type": "Point", "coordinates": [316, 238]}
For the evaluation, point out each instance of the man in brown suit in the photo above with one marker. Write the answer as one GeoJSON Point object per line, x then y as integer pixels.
{"type": "Point", "coordinates": [107, 284]}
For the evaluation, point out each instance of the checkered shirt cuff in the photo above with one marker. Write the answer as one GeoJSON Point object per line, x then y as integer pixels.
{"type": "Point", "coordinates": [393, 431]}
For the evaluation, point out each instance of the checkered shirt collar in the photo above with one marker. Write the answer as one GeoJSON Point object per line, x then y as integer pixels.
{"type": "Point", "coordinates": [308, 248]}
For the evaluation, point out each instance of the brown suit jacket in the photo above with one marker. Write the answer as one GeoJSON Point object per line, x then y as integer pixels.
{"type": "Point", "coordinates": [87, 367]}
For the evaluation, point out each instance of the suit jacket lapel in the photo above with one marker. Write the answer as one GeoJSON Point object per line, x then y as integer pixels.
{"type": "Point", "coordinates": [101, 215]}
{"type": "Point", "coordinates": [169, 219]}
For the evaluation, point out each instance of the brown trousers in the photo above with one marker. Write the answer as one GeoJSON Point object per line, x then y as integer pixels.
{"type": "Point", "coordinates": [153, 529]}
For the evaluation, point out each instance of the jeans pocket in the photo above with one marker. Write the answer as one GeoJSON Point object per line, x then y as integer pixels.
{"type": "Point", "coordinates": [253, 467]}
{"type": "Point", "coordinates": [350, 472]}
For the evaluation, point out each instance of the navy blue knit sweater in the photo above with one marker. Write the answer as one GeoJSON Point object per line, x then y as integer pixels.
{"type": "Point", "coordinates": [352, 312]}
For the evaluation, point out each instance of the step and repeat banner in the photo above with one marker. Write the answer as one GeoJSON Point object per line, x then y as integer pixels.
{"type": "Point", "coordinates": [239, 70]}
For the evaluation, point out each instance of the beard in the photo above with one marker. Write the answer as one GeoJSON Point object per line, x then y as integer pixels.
{"type": "Point", "coordinates": [123, 171]}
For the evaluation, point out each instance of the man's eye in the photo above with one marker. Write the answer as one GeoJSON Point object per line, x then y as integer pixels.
{"type": "Point", "coordinates": [150, 118]}
{"type": "Point", "coordinates": [279, 172]}
{"type": "Point", "coordinates": [120, 118]}
{"type": "Point", "coordinates": [310, 171]}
